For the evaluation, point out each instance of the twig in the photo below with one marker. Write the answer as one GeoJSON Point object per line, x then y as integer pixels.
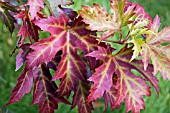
{"type": "Point", "coordinates": [105, 40]}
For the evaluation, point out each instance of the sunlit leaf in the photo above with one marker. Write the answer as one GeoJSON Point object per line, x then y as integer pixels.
{"type": "Point", "coordinates": [54, 5]}
{"type": "Point", "coordinates": [154, 50]}
{"type": "Point", "coordinates": [35, 6]}
{"type": "Point", "coordinates": [98, 19]}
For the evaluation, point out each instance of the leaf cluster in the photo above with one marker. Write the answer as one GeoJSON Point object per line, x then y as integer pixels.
{"type": "Point", "coordinates": [82, 51]}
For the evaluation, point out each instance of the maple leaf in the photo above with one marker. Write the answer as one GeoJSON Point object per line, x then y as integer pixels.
{"type": "Point", "coordinates": [55, 61]}
{"type": "Point", "coordinates": [138, 43]}
{"type": "Point", "coordinates": [129, 86]}
{"type": "Point", "coordinates": [28, 28]}
{"type": "Point", "coordinates": [139, 20]}
{"type": "Point", "coordinates": [60, 2]}
{"type": "Point", "coordinates": [23, 86]}
{"type": "Point", "coordinates": [98, 19]}
{"type": "Point", "coordinates": [154, 50]}
{"type": "Point", "coordinates": [111, 95]}
{"type": "Point", "coordinates": [166, 50]}
{"type": "Point", "coordinates": [68, 39]}
{"type": "Point", "coordinates": [69, 12]}
{"type": "Point", "coordinates": [102, 77]}
{"type": "Point", "coordinates": [122, 11]}
{"type": "Point", "coordinates": [69, 73]}
{"type": "Point", "coordinates": [80, 97]}
{"type": "Point", "coordinates": [132, 87]}
{"type": "Point", "coordinates": [7, 15]}
{"type": "Point", "coordinates": [139, 11]}
{"type": "Point", "coordinates": [118, 6]}
{"type": "Point", "coordinates": [8, 19]}
{"type": "Point", "coordinates": [21, 56]}
{"type": "Point", "coordinates": [35, 6]}
{"type": "Point", "coordinates": [45, 91]}
{"type": "Point", "coordinates": [55, 7]}
{"type": "Point", "coordinates": [126, 16]}
{"type": "Point", "coordinates": [127, 83]}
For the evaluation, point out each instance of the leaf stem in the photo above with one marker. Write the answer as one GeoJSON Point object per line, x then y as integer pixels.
{"type": "Point", "coordinates": [127, 37]}
{"type": "Point", "coordinates": [105, 40]}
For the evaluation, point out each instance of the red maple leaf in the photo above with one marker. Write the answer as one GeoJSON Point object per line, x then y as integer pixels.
{"type": "Point", "coordinates": [23, 86]}
{"type": "Point", "coordinates": [80, 97]}
{"type": "Point", "coordinates": [21, 56]}
{"type": "Point", "coordinates": [28, 28]}
{"type": "Point", "coordinates": [129, 86]}
{"type": "Point", "coordinates": [45, 91]}
{"type": "Point", "coordinates": [35, 6]}
{"type": "Point", "coordinates": [68, 39]}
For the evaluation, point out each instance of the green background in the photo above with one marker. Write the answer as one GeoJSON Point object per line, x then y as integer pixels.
{"type": "Point", "coordinates": [8, 76]}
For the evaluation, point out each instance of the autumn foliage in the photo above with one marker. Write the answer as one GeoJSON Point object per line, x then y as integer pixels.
{"type": "Point", "coordinates": [82, 51]}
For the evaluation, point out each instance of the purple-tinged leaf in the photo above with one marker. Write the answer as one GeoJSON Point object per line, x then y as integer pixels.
{"type": "Point", "coordinates": [23, 86]}
{"type": "Point", "coordinates": [8, 19]}
{"type": "Point", "coordinates": [80, 97]}
{"type": "Point", "coordinates": [35, 6]}
{"type": "Point", "coordinates": [69, 12]}
{"type": "Point", "coordinates": [46, 49]}
{"type": "Point", "coordinates": [68, 39]}
{"type": "Point", "coordinates": [131, 88]}
{"type": "Point", "coordinates": [70, 69]}
{"type": "Point", "coordinates": [21, 56]}
{"type": "Point", "coordinates": [156, 24]}
{"type": "Point", "coordinates": [55, 61]}
{"type": "Point", "coordinates": [137, 65]}
{"type": "Point", "coordinates": [140, 12]}
{"type": "Point", "coordinates": [127, 15]}
{"type": "Point", "coordinates": [28, 28]}
{"type": "Point", "coordinates": [102, 77]}
{"type": "Point", "coordinates": [45, 91]}
{"type": "Point", "coordinates": [111, 96]}
{"type": "Point", "coordinates": [128, 86]}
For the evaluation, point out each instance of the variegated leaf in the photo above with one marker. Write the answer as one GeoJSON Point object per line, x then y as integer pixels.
{"type": "Point", "coordinates": [154, 50]}
{"type": "Point", "coordinates": [98, 19]}
{"type": "Point", "coordinates": [129, 86]}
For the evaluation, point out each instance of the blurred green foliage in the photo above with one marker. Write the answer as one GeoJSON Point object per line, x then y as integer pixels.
{"type": "Point", "coordinates": [8, 76]}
